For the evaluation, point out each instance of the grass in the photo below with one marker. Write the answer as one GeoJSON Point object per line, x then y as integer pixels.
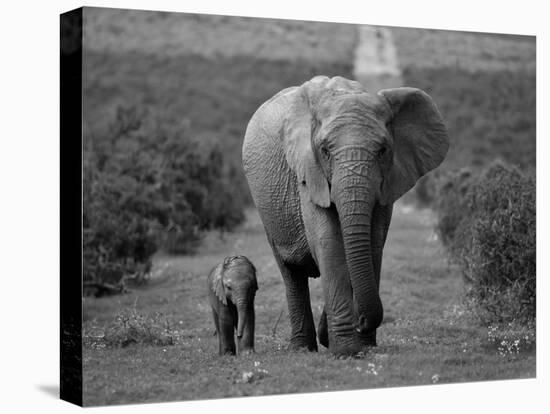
{"type": "Point", "coordinates": [178, 34]}
{"type": "Point", "coordinates": [426, 337]}
{"type": "Point", "coordinates": [213, 98]}
{"type": "Point", "coordinates": [212, 70]}
{"type": "Point", "coordinates": [425, 48]}
{"type": "Point", "coordinates": [217, 96]}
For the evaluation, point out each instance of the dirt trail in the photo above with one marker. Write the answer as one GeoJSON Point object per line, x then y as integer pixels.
{"type": "Point", "coordinates": [375, 63]}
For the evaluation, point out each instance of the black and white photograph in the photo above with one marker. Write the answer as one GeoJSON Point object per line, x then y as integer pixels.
{"type": "Point", "coordinates": [277, 206]}
{"type": "Point", "coordinates": [278, 211]}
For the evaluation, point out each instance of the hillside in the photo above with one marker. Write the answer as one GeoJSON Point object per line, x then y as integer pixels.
{"type": "Point", "coordinates": [212, 72]}
{"type": "Point", "coordinates": [485, 87]}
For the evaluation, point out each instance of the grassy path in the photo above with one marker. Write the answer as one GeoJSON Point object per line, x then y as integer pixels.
{"type": "Point", "coordinates": [425, 338]}
{"type": "Point", "coordinates": [375, 62]}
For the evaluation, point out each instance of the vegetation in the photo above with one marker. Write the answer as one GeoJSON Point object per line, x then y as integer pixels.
{"type": "Point", "coordinates": [427, 336]}
{"type": "Point", "coordinates": [479, 52]}
{"type": "Point", "coordinates": [147, 186]}
{"type": "Point", "coordinates": [169, 166]}
{"type": "Point", "coordinates": [487, 222]}
{"type": "Point", "coordinates": [489, 113]}
{"type": "Point", "coordinates": [216, 98]}
{"type": "Point", "coordinates": [129, 327]}
{"type": "Point", "coordinates": [486, 209]}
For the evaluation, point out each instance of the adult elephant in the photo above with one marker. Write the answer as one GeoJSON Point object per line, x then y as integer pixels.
{"type": "Point", "coordinates": [325, 162]}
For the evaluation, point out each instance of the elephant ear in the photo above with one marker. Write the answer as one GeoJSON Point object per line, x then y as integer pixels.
{"type": "Point", "coordinates": [254, 285]}
{"type": "Point", "coordinates": [217, 284]}
{"type": "Point", "coordinates": [298, 129]}
{"type": "Point", "coordinates": [254, 278]}
{"type": "Point", "coordinates": [420, 139]}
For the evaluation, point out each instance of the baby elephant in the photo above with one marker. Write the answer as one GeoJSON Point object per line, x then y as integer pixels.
{"type": "Point", "coordinates": [231, 289]}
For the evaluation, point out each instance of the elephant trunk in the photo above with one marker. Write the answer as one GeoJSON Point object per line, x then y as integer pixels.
{"type": "Point", "coordinates": [354, 200]}
{"type": "Point", "coordinates": [242, 312]}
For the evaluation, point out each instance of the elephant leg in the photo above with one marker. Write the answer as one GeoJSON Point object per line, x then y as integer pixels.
{"type": "Point", "coordinates": [322, 329]}
{"type": "Point", "coordinates": [323, 234]}
{"type": "Point", "coordinates": [338, 310]}
{"type": "Point", "coordinates": [381, 218]}
{"type": "Point", "coordinates": [218, 333]}
{"type": "Point", "coordinates": [227, 323]}
{"type": "Point", "coordinates": [302, 328]}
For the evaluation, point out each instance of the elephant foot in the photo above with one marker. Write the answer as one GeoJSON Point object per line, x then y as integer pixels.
{"type": "Point", "coordinates": [354, 345]}
{"type": "Point", "coordinates": [303, 344]}
{"type": "Point", "coordinates": [247, 351]}
{"type": "Point", "coordinates": [344, 344]}
{"type": "Point", "coordinates": [322, 330]}
{"type": "Point", "coordinates": [345, 350]}
{"type": "Point", "coordinates": [368, 339]}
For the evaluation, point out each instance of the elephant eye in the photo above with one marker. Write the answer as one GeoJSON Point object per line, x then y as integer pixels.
{"type": "Point", "coordinates": [325, 152]}
{"type": "Point", "coordinates": [381, 152]}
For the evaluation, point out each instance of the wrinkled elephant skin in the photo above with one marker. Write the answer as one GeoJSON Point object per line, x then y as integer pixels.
{"type": "Point", "coordinates": [325, 162]}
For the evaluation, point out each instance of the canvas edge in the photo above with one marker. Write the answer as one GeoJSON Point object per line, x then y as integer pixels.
{"type": "Point", "coordinates": [71, 206]}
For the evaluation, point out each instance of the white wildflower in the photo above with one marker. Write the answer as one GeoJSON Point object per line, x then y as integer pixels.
{"type": "Point", "coordinates": [247, 377]}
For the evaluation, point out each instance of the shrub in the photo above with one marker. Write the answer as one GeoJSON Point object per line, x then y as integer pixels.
{"type": "Point", "coordinates": [130, 327]}
{"type": "Point", "coordinates": [143, 181]}
{"type": "Point", "coordinates": [426, 190]}
{"type": "Point", "coordinates": [488, 224]}
{"type": "Point", "coordinates": [452, 203]}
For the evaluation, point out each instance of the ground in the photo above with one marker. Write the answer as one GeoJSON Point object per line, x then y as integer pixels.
{"type": "Point", "coordinates": [426, 336]}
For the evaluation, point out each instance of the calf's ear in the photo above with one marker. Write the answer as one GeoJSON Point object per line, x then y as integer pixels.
{"type": "Point", "coordinates": [217, 284]}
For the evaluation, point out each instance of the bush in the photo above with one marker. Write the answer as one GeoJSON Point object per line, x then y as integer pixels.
{"type": "Point", "coordinates": [452, 203]}
{"type": "Point", "coordinates": [488, 224]}
{"type": "Point", "coordinates": [129, 327]}
{"type": "Point", "coordinates": [143, 182]}
{"type": "Point", "coordinates": [426, 190]}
